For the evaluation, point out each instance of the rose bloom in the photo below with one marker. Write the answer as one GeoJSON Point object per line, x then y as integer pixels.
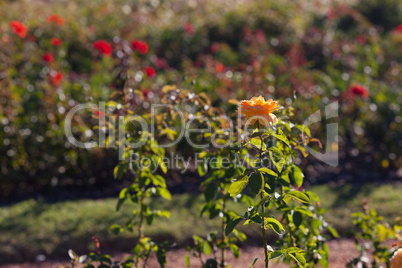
{"type": "Point", "coordinates": [396, 260]}
{"type": "Point", "coordinates": [359, 90]}
{"type": "Point", "coordinates": [257, 109]}
{"type": "Point", "coordinates": [56, 41]}
{"type": "Point", "coordinates": [398, 29]}
{"type": "Point", "coordinates": [189, 28]}
{"type": "Point", "coordinates": [55, 78]}
{"type": "Point", "coordinates": [361, 39]}
{"type": "Point", "coordinates": [150, 71]}
{"type": "Point", "coordinates": [55, 19]}
{"type": "Point", "coordinates": [139, 46]}
{"type": "Point", "coordinates": [99, 113]}
{"type": "Point", "coordinates": [219, 67]}
{"type": "Point", "coordinates": [47, 57]}
{"type": "Point", "coordinates": [19, 28]}
{"type": "Point", "coordinates": [103, 47]}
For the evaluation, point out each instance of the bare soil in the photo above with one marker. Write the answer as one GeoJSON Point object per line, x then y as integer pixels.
{"type": "Point", "coordinates": [341, 250]}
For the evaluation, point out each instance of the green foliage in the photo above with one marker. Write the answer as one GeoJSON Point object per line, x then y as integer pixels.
{"type": "Point", "coordinates": [371, 227]}
{"type": "Point", "coordinates": [301, 225]}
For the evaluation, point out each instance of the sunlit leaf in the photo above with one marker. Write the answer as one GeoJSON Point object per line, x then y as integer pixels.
{"type": "Point", "coordinates": [297, 176]}
{"type": "Point", "coordinates": [238, 186]}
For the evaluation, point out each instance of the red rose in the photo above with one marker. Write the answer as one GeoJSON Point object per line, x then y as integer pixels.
{"type": "Point", "coordinates": [359, 90]}
{"type": "Point", "coordinates": [140, 46]}
{"type": "Point", "coordinates": [361, 39]}
{"type": "Point", "coordinates": [55, 19]}
{"type": "Point", "coordinates": [189, 28]}
{"type": "Point", "coordinates": [219, 67]}
{"type": "Point", "coordinates": [150, 71]}
{"type": "Point", "coordinates": [214, 47]}
{"type": "Point", "coordinates": [47, 57]}
{"type": "Point", "coordinates": [56, 41]}
{"type": "Point", "coordinates": [55, 78]}
{"type": "Point", "coordinates": [103, 47]}
{"type": "Point", "coordinates": [398, 29]}
{"type": "Point", "coordinates": [19, 28]}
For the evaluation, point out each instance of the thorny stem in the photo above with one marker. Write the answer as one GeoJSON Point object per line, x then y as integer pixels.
{"type": "Point", "coordinates": [264, 235]}
{"type": "Point", "coordinates": [223, 225]}
{"type": "Point", "coordinates": [140, 227]}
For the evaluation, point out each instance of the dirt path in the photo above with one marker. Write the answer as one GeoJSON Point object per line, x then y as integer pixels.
{"type": "Point", "coordinates": [340, 251]}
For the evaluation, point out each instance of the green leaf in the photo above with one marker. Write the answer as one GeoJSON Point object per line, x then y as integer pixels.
{"type": "Point", "coordinates": [238, 186]}
{"type": "Point", "coordinates": [209, 192]}
{"type": "Point", "coordinates": [280, 136]}
{"type": "Point", "coordinates": [161, 163]}
{"type": "Point", "coordinates": [158, 180]}
{"type": "Point", "coordinates": [206, 248]}
{"type": "Point", "coordinates": [275, 254]}
{"type": "Point", "coordinates": [187, 258]}
{"type": "Point", "coordinates": [299, 258]}
{"type": "Point", "coordinates": [119, 170]}
{"type": "Point", "coordinates": [297, 176]}
{"type": "Point", "coordinates": [278, 164]}
{"type": "Point", "coordinates": [300, 196]}
{"type": "Point", "coordinates": [119, 204]}
{"type": "Point", "coordinates": [297, 218]}
{"type": "Point", "coordinates": [304, 211]}
{"type": "Point", "coordinates": [116, 229]}
{"type": "Point", "coordinates": [235, 250]}
{"type": "Point", "coordinates": [256, 183]}
{"type": "Point", "coordinates": [304, 129]}
{"type": "Point", "coordinates": [274, 225]}
{"type": "Point", "coordinates": [256, 144]}
{"type": "Point", "coordinates": [276, 151]}
{"type": "Point", "coordinates": [232, 224]}
{"type": "Point", "coordinates": [255, 260]}
{"type": "Point", "coordinates": [256, 218]}
{"type": "Point", "coordinates": [313, 196]}
{"type": "Point", "coordinates": [105, 258]}
{"type": "Point", "coordinates": [202, 170]}
{"type": "Point", "coordinates": [268, 171]}
{"type": "Point", "coordinates": [161, 256]}
{"type": "Point", "coordinates": [163, 213]}
{"type": "Point", "coordinates": [333, 231]}
{"type": "Point", "coordinates": [164, 193]}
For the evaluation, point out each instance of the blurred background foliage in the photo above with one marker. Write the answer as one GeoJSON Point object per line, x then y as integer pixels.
{"type": "Point", "coordinates": [314, 50]}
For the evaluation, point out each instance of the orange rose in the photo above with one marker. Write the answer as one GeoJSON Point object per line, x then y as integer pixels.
{"type": "Point", "coordinates": [396, 260]}
{"type": "Point", "coordinates": [259, 109]}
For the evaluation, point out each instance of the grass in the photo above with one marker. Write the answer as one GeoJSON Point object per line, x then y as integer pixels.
{"type": "Point", "coordinates": [34, 227]}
